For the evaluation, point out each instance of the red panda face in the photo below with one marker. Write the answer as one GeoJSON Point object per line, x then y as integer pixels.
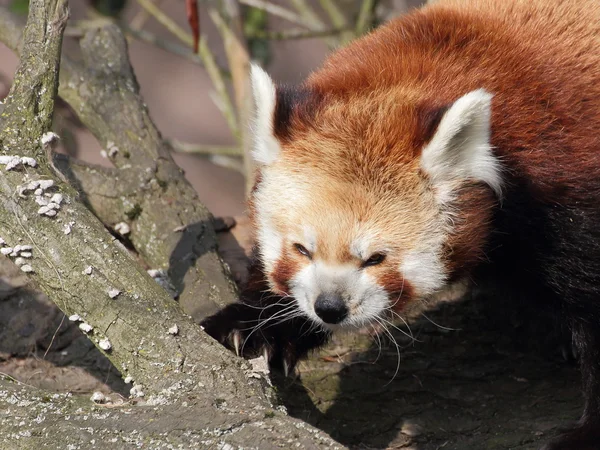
{"type": "Point", "coordinates": [344, 252]}
{"type": "Point", "coordinates": [355, 217]}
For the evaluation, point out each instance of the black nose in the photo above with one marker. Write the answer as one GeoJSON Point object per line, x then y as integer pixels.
{"type": "Point", "coordinates": [331, 308]}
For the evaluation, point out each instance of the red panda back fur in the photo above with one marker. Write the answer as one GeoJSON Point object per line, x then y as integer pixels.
{"type": "Point", "coordinates": [367, 114]}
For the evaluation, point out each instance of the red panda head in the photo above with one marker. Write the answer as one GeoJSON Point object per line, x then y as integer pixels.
{"type": "Point", "coordinates": [369, 200]}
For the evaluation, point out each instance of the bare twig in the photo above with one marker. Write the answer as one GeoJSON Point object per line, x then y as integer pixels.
{"type": "Point", "coordinates": [229, 23]}
{"type": "Point", "coordinates": [185, 147]}
{"type": "Point", "coordinates": [168, 46]}
{"type": "Point", "coordinates": [142, 16]}
{"type": "Point", "coordinates": [278, 11]}
{"type": "Point", "coordinates": [335, 14]}
{"type": "Point", "coordinates": [167, 22]}
{"type": "Point", "coordinates": [365, 17]}
{"type": "Point", "coordinates": [207, 57]}
{"type": "Point", "coordinates": [297, 34]}
{"type": "Point", "coordinates": [308, 14]}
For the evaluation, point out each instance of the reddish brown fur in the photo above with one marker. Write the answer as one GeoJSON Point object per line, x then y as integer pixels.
{"type": "Point", "coordinates": [376, 102]}
{"type": "Point", "coordinates": [353, 134]}
{"type": "Point", "coordinates": [471, 228]}
{"type": "Point", "coordinates": [283, 271]}
{"type": "Point", "coordinates": [426, 53]}
{"type": "Point", "coordinates": [399, 289]}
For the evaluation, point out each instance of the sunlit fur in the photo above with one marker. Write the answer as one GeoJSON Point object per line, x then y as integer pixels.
{"type": "Point", "coordinates": [462, 141]}
{"type": "Point", "coordinates": [330, 190]}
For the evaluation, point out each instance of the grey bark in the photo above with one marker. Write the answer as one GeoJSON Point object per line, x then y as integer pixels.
{"type": "Point", "coordinates": [171, 229]}
{"type": "Point", "coordinates": [85, 271]}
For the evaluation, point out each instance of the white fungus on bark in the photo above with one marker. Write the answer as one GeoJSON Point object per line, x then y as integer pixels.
{"type": "Point", "coordinates": [75, 318]}
{"type": "Point", "coordinates": [136, 391]}
{"type": "Point", "coordinates": [57, 198]}
{"type": "Point", "coordinates": [6, 250]}
{"type": "Point", "coordinates": [105, 344]}
{"type": "Point", "coordinates": [98, 397]}
{"type": "Point", "coordinates": [27, 161]}
{"type": "Point", "coordinates": [88, 270]}
{"type": "Point", "coordinates": [122, 228]}
{"type": "Point", "coordinates": [85, 327]}
{"type": "Point", "coordinates": [112, 149]}
{"type": "Point", "coordinates": [45, 184]}
{"type": "Point", "coordinates": [128, 379]}
{"type": "Point", "coordinates": [27, 268]}
{"type": "Point", "coordinates": [49, 138]}
{"type": "Point", "coordinates": [68, 227]}
{"type": "Point", "coordinates": [113, 293]}
{"type": "Point", "coordinates": [12, 161]}
{"type": "Point", "coordinates": [174, 330]}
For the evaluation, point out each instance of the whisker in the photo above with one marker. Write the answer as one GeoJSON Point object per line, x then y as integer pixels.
{"type": "Point", "coordinates": [408, 335]}
{"type": "Point", "coordinates": [397, 349]}
{"type": "Point", "coordinates": [278, 315]}
{"type": "Point", "coordinates": [378, 344]}
{"type": "Point", "coordinates": [440, 326]}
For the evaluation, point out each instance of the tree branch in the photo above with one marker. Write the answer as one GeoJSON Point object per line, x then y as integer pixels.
{"type": "Point", "coordinates": [88, 273]}
{"type": "Point", "coordinates": [104, 93]}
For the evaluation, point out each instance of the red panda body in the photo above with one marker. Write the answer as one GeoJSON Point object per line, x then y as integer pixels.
{"type": "Point", "coordinates": [459, 141]}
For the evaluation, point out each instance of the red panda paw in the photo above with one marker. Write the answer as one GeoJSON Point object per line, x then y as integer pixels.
{"type": "Point", "coordinates": [583, 437]}
{"type": "Point", "coordinates": [276, 332]}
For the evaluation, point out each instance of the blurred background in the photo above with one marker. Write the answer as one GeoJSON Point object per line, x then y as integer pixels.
{"type": "Point", "coordinates": [178, 90]}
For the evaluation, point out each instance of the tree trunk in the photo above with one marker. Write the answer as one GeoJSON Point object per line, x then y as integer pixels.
{"type": "Point", "coordinates": [187, 388]}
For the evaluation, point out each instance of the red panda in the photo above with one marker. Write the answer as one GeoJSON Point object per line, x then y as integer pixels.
{"type": "Point", "coordinates": [460, 141]}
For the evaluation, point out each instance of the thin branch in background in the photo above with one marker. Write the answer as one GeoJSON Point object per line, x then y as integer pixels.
{"type": "Point", "coordinates": [186, 147]}
{"type": "Point", "coordinates": [296, 34]}
{"type": "Point", "coordinates": [306, 12]}
{"type": "Point", "coordinates": [335, 14]}
{"type": "Point", "coordinates": [142, 16]}
{"type": "Point", "coordinates": [163, 44]}
{"type": "Point", "coordinates": [218, 81]}
{"type": "Point", "coordinates": [338, 19]}
{"type": "Point", "coordinates": [229, 23]}
{"type": "Point", "coordinates": [228, 162]}
{"type": "Point", "coordinates": [316, 23]}
{"type": "Point", "coordinates": [207, 58]}
{"type": "Point", "coordinates": [277, 11]}
{"type": "Point", "coordinates": [166, 22]}
{"type": "Point", "coordinates": [365, 17]}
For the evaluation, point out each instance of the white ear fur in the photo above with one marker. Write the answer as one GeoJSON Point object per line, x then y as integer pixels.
{"type": "Point", "coordinates": [266, 147]}
{"type": "Point", "coordinates": [460, 148]}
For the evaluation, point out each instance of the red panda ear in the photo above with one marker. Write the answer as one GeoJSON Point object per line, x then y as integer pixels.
{"type": "Point", "coordinates": [266, 147]}
{"type": "Point", "coordinates": [460, 148]}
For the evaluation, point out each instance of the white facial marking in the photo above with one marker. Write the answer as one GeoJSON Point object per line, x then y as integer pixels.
{"type": "Point", "coordinates": [364, 298]}
{"type": "Point", "coordinates": [266, 147]}
{"type": "Point", "coordinates": [310, 239]}
{"type": "Point", "coordinates": [271, 242]}
{"type": "Point", "coordinates": [360, 248]}
{"type": "Point", "coordinates": [460, 148]}
{"type": "Point", "coordinates": [424, 270]}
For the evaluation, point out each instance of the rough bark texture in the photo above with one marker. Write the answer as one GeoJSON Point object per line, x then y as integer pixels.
{"type": "Point", "coordinates": [35, 419]}
{"type": "Point", "coordinates": [86, 271]}
{"type": "Point", "coordinates": [171, 229]}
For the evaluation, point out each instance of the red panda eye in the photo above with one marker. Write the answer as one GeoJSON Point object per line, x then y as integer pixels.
{"type": "Point", "coordinates": [302, 250]}
{"type": "Point", "coordinates": [374, 259]}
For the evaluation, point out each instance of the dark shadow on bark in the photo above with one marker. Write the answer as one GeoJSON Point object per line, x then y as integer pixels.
{"type": "Point", "coordinates": [496, 379]}
{"type": "Point", "coordinates": [192, 245]}
{"type": "Point", "coordinates": [32, 327]}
